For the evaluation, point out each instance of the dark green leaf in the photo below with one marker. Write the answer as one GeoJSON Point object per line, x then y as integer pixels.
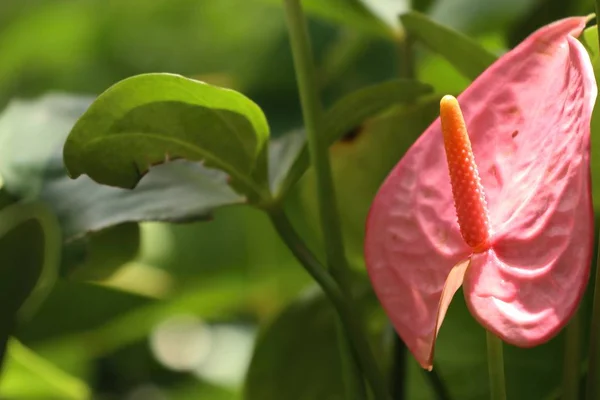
{"type": "Point", "coordinates": [476, 16]}
{"type": "Point", "coordinates": [95, 305]}
{"type": "Point", "coordinates": [29, 255]}
{"type": "Point", "coordinates": [99, 254]}
{"type": "Point", "coordinates": [153, 118]}
{"type": "Point", "coordinates": [33, 133]}
{"type": "Point", "coordinates": [465, 54]}
{"type": "Point", "coordinates": [297, 357]}
{"type": "Point", "coordinates": [351, 111]}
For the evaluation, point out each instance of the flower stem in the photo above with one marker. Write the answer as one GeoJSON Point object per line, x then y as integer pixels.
{"type": "Point", "coordinates": [399, 371]}
{"type": "Point", "coordinates": [345, 310]}
{"type": "Point", "coordinates": [592, 392]}
{"type": "Point", "coordinates": [496, 367]}
{"type": "Point", "coordinates": [572, 360]}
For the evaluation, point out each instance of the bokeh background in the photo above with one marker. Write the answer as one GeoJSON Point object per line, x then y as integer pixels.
{"type": "Point", "coordinates": [165, 311]}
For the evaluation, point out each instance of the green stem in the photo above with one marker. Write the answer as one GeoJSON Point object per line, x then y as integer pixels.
{"type": "Point", "coordinates": [496, 367]}
{"type": "Point", "coordinates": [437, 384]}
{"type": "Point", "coordinates": [312, 111]}
{"type": "Point", "coordinates": [592, 392]}
{"type": "Point", "coordinates": [344, 309]}
{"type": "Point", "coordinates": [354, 384]}
{"type": "Point", "coordinates": [572, 360]}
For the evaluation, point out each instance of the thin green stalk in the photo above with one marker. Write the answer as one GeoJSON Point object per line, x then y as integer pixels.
{"type": "Point", "coordinates": [344, 309]}
{"type": "Point", "coordinates": [572, 360]}
{"type": "Point", "coordinates": [592, 392]}
{"type": "Point", "coordinates": [354, 384]}
{"type": "Point", "coordinates": [495, 367]}
{"type": "Point", "coordinates": [312, 111]}
{"type": "Point", "coordinates": [437, 384]}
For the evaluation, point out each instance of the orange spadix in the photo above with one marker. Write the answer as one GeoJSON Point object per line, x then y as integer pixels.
{"type": "Point", "coordinates": [469, 198]}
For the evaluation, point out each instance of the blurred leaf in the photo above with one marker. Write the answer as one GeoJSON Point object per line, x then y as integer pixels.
{"type": "Point", "coordinates": [297, 357]}
{"type": "Point", "coordinates": [27, 376]}
{"type": "Point", "coordinates": [360, 163]}
{"type": "Point", "coordinates": [348, 113]}
{"type": "Point", "coordinates": [60, 315]}
{"type": "Point", "coordinates": [465, 54]}
{"type": "Point", "coordinates": [350, 12]}
{"type": "Point", "coordinates": [153, 118]}
{"type": "Point", "coordinates": [32, 134]}
{"type": "Point", "coordinates": [476, 16]}
{"type": "Point", "coordinates": [101, 253]}
{"type": "Point", "coordinates": [30, 243]}
{"type": "Point", "coordinates": [28, 48]}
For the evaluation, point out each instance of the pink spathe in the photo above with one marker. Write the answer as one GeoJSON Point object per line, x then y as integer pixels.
{"type": "Point", "coordinates": [528, 118]}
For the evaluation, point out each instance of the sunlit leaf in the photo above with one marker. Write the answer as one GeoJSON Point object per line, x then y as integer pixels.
{"type": "Point", "coordinates": [153, 118]}
{"type": "Point", "coordinates": [28, 376]}
{"type": "Point", "coordinates": [32, 134]}
{"type": "Point", "coordinates": [465, 54]}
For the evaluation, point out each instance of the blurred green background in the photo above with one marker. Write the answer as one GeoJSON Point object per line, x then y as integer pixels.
{"type": "Point", "coordinates": [180, 316]}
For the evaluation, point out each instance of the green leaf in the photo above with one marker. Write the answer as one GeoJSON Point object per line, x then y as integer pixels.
{"type": "Point", "coordinates": [32, 134]}
{"type": "Point", "coordinates": [476, 16]}
{"type": "Point", "coordinates": [100, 254]}
{"type": "Point", "coordinates": [95, 304]}
{"type": "Point", "coordinates": [297, 357]}
{"type": "Point", "coordinates": [351, 111]}
{"type": "Point", "coordinates": [153, 118]}
{"type": "Point", "coordinates": [465, 54]}
{"type": "Point", "coordinates": [28, 376]}
{"type": "Point", "coordinates": [348, 12]}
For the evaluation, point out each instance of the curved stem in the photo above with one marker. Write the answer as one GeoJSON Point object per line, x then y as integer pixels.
{"type": "Point", "coordinates": [345, 310]}
{"type": "Point", "coordinates": [13, 216]}
{"type": "Point", "coordinates": [496, 367]}
{"type": "Point", "coordinates": [572, 360]}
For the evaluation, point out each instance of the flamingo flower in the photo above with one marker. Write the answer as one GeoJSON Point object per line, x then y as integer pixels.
{"type": "Point", "coordinates": [507, 214]}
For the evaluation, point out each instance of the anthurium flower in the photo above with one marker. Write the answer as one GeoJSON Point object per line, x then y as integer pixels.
{"type": "Point", "coordinates": [507, 214]}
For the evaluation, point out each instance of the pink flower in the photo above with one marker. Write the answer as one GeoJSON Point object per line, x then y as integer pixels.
{"type": "Point", "coordinates": [528, 118]}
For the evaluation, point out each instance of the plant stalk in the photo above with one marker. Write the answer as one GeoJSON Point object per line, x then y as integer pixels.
{"type": "Point", "coordinates": [572, 360]}
{"type": "Point", "coordinates": [495, 367]}
{"type": "Point", "coordinates": [592, 392]}
{"type": "Point", "coordinates": [345, 310]}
